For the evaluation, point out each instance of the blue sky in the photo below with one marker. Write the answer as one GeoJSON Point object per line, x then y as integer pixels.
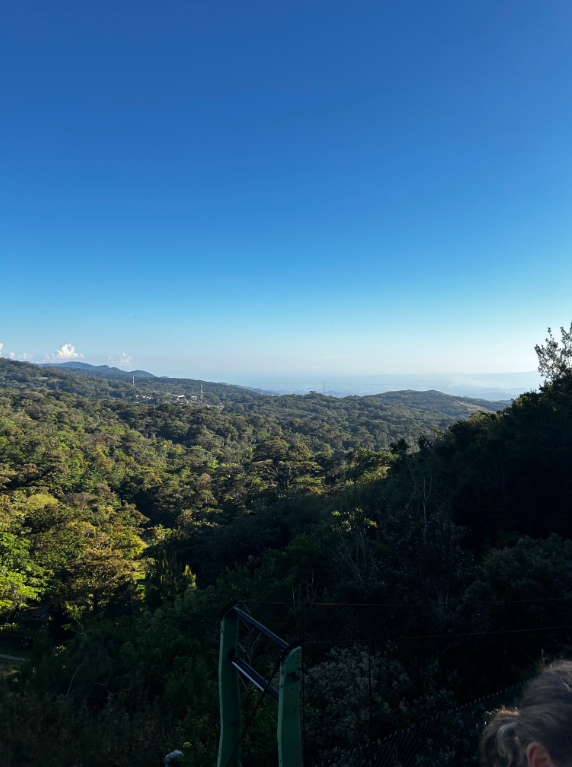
{"type": "Point", "coordinates": [222, 189]}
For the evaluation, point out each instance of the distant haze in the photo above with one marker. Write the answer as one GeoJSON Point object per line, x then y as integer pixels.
{"type": "Point", "coordinates": [491, 386]}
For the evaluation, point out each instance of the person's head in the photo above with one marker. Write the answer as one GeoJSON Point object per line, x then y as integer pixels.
{"type": "Point", "coordinates": [539, 733]}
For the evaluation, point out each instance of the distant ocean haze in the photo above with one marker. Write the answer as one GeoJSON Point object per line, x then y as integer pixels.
{"type": "Point", "coordinates": [489, 386]}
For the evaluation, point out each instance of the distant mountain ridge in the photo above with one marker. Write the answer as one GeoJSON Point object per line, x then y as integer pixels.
{"type": "Point", "coordinates": [325, 423]}
{"type": "Point", "coordinates": [102, 383]}
{"type": "Point", "coordinates": [105, 368]}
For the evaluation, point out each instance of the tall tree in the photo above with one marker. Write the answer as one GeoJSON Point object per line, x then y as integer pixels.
{"type": "Point", "coordinates": [555, 359]}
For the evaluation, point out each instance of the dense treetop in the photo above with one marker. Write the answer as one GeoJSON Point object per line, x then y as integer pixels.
{"type": "Point", "coordinates": [109, 384]}
{"type": "Point", "coordinates": [322, 422]}
{"type": "Point", "coordinates": [451, 516]}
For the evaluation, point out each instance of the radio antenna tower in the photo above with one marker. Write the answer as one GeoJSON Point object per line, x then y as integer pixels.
{"type": "Point", "coordinates": [202, 395]}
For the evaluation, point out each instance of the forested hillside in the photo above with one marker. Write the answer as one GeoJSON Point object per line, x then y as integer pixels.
{"type": "Point", "coordinates": [108, 384]}
{"type": "Point", "coordinates": [323, 423]}
{"type": "Point", "coordinates": [137, 523]}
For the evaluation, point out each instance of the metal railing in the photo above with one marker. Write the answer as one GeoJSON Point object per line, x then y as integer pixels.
{"type": "Point", "coordinates": [288, 693]}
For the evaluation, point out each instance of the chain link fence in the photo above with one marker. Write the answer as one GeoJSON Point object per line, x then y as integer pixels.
{"type": "Point", "coordinates": [450, 739]}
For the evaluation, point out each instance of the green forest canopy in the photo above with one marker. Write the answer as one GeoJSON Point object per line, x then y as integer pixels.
{"type": "Point", "coordinates": [386, 500]}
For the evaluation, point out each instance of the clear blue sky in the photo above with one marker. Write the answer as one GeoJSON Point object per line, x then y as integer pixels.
{"type": "Point", "coordinates": [221, 187]}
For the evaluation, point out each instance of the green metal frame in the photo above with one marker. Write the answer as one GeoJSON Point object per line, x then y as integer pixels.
{"type": "Point", "coordinates": [289, 733]}
{"type": "Point", "coordinates": [288, 729]}
{"type": "Point", "coordinates": [229, 693]}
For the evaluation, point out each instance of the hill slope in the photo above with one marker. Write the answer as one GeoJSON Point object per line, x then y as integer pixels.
{"type": "Point", "coordinates": [321, 422]}
{"type": "Point", "coordinates": [85, 366]}
{"type": "Point", "coordinates": [103, 384]}
{"type": "Point", "coordinates": [260, 502]}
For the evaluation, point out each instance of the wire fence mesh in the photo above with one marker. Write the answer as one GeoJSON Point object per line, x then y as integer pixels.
{"type": "Point", "coordinates": [450, 739]}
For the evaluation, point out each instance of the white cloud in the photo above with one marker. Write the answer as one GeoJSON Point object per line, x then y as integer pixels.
{"type": "Point", "coordinates": [12, 356]}
{"type": "Point", "coordinates": [125, 359]}
{"type": "Point", "coordinates": [23, 356]}
{"type": "Point", "coordinates": [1, 347]}
{"type": "Point", "coordinates": [65, 352]}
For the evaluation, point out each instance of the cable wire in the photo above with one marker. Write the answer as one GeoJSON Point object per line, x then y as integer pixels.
{"type": "Point", "coordinates": [416, 605]}
{"type": "Point", "coordinates": [441, 636]}
{"type": "Point", "coordinates": [258, 702]}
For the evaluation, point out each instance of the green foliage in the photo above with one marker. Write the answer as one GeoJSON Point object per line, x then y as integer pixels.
{"type": "Point", "coordinates": [138, 521]}
{"type": "Point", "coordinates": [102, 384]}
{"type": "Point", "coordinates": [555, 359]}
{"type": "Point", "coordinates": [501, 475]}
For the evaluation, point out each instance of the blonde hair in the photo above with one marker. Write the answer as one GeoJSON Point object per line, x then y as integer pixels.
{"type": "Point", "coordinates": [545, 716]}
